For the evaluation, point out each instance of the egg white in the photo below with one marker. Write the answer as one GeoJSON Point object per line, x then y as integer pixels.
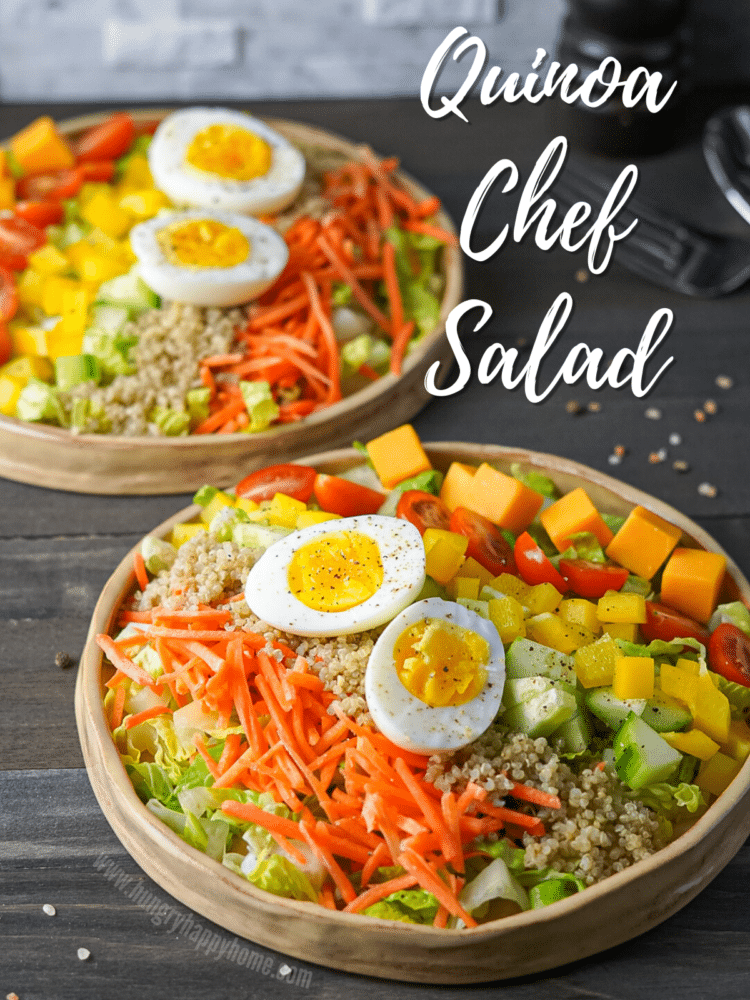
{"type": "Point", "coordinates": [411, 723]}
{"type": "Point", "coordinates": [187, 185]}
{"type": "Point", "coordinates": [210, 286]}
{"type": "Point", "coordinates": [269, 597]}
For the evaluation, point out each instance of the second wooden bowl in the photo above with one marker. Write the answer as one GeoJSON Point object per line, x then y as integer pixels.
{"type": "Point", "coordinates": [616, 909]}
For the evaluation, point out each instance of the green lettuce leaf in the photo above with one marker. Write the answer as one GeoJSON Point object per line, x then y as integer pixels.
{"type": "Point", "coordinates": [410, 906]}
{"type": "Point", "coordinates": [277, 874]}
{"type": "Point", "coordinates": [735, 613]}
{"type": "Point", "coordinates": [535, 481]}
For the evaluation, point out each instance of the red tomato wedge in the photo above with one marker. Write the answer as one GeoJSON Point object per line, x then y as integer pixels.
{"type": "Point", "coordinates": [487, 544]}
{"type": "Point", "coordinates": [295, 481]}
{"type": "Point", "coordinates": [8, 303]}
{"type": "Point", "coordinates": [18, 238]}
{"type": "Point", "coordinates": [97, 170]}
{"type": "Point", "coordinates": [341, 496]}
{"type": "Point", "coordinates": [6, 345]}
{"type": "Point", "coordinates": [106, 141]}
{"type": "Point", "coordinates": [50, 187]}
{"type": "Point", "coordinates": [40, 213]}
{"type": "Point", "coordinates": [665, 623]}
{"type": "Point", "coordinates": [729, 653]}
{"type": "Point", "coordinates": [423, 510]}
{"type": "Point", "coordinates": [592, 579]}
{"type": "Point", "coordinates": [533, 565]}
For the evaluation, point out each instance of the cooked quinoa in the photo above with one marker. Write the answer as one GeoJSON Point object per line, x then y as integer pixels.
{"type": "Point", "coordinates": [598, 830]}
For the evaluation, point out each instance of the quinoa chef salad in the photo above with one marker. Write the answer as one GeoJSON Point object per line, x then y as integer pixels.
{"type": "Point", "coordinates": [432, 698]}
{"type": "Point", "coordinates": [203, 274]}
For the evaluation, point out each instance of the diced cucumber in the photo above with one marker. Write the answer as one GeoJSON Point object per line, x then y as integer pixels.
{"type": "Point", "coordinates": [642, 757]}
{"type": "Point", "coordinates": [612, 711]}
{"type": "Point", "coordinates": [526, 658]}
{"type": "Point", "coordinates": [127, 290]}
{"type": "Point", "coordinates": [481, 608]}
{"type": "Point", "coordinates": [574, 735]}
{"type": "Point", "coordinates": [110, 318]}
{"type": "Point", "coordinates": [431, 588]}
{"type": "Point", "coordinates": [520, 689]}
{"type": "Point", "coordinates": [665, 715]}
{"type": "Point", "coordinates": [76, 369]}
{"type": "Point", "coordinates": [542, 714]}
{"type": "Point", "coordinates": [256, 536]}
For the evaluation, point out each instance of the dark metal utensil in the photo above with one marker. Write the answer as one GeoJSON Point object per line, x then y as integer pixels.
{"type": "Point", "coordinates": [726, 148]}
{"type": "Point", "coordinates": [662, 248]}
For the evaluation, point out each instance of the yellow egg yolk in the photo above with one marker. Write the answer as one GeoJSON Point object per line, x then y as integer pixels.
{"type": "Point", "coordinates": [441, 663]}
{"type": "Point", "coordinates": [230, 152]}
{"type": "Point", "coordinates": [336, 571]}
{"type": "Point", "coordinates": [203, 243]}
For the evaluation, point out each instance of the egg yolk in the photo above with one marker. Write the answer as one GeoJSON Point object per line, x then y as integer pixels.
{"type": "Point", "coordinates": [336, 571]}
{"type": "Point", "coordinates": [441, 663]}
{"type": "Point", "coordinates": [203, 243]}
{"type": "Point", "coordinates": [229, 151]}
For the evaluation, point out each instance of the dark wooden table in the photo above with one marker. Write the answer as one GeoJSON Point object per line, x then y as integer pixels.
{"type": "Point", "coordinates": [58, 549]}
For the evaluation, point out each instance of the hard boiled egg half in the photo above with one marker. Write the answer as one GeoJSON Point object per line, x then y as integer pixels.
{"type": "Point", "coordinates": [225, 160]}
{"type": "Point", "coordinates": [435, 677]}
{"type": "Point", "coordinates": [207, 258]}
{"type": "Point", "coordinates": [338, 577]}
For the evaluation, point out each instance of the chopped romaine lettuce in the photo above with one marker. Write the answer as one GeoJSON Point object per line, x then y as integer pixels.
{"type": "Point", "coordinates": [410, 906]}
{"type": "Point", "coordinates": [260, 405]}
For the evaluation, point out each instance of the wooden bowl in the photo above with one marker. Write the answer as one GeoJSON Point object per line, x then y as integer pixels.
{"type": "Point", "coordinates": [98, 463]}
{"type": "Point", "coordinates": [616, 909]}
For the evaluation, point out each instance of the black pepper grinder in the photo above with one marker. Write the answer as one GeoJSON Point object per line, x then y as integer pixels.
{"type": "Point", "coordinates": [648, 33]}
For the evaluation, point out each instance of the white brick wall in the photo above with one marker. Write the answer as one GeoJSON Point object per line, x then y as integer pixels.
{"type": "Point", "coordinates": [187, 49]}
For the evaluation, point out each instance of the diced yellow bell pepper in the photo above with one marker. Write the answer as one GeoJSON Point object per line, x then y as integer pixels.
{"type": "Point", "coordinates": [74, 310]}
{"type": "Point", "coordinates": [64, 341]}
{"type": "Point", "coordinates": [52, 293]}
{"type": "Point", "coordinates": [633, 677]}
{"type": "Point", "coordinates": [716, 774]}
{"type": "Point", "coordinates": [10, 390]}
{"type": "Point", "coordinates": [246, 504]}
{"type": "Point", "coordinates": [542, 597]}
{"type": "Point", "coordinates": [218, 502]}
{"type": "Point", "coordinates": [94, 267]}
{"type": "Point", "coordinates": [284, 510]}
{"type": "Point", "coordinates": [463, 586]}
{"type": "Point", "coordinates": [25, 367]}
{"type": "Point", "coordinates": [48, 260]}
{"type": "Point", "coordinates": [7, 193]}
{"type": "Point", "coordinates": [624, 608]}
{"type": "Point", "coordinates": [689, 666]}
{"type": "Point", "coordinates": [511, 585]}
{"type": "Point", "coordinates": [89, 189]}
{"type": "Point", "coordinates": [444, 551]}
{"type": "Point", "coordinates": [550, 630]}
{"type": "Point", "coordinates": [595, 662]}
{"type": "Point", "coordinates": [28, 338]}
{"type": "Point", "coordinates": [507, 615]}
{"type": "Point", "coordinates": [678, 683]}
{"type": "Point", "coordinates": [102, 211]}
{"type": "Point", "coordinates": [308, 517]}
{"type": "Point", "coordinates": [30, 288]}
{"type": "Point", "coordinates": [578, 611]}
{"type": "Point", "coordinates": [474, 569]}
{"type": "Point", "coordinates": [144, 204]}
{"type": "Point", "coordinates": [711, 710]}
{"type": "Point", "coordinates": [620, 630]}
{"type": "Point", "coordinates": [738, 743]}
{"type": "Point", "coordinates": [97, 240]}
{"type": "Point", "coordinates": [136, 175]}
{"type": "Point", "coordinates": [182, 533]}
{"type": "Point", "coordinates": [693, 742]}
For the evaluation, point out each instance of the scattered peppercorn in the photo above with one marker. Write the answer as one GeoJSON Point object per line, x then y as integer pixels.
{"type": "Point", "coordinates": [582, 275]}
{"type": "Point", "coordinates": [49, 909]}
{"type": "Point", "coordinates": [614, 459]}
{"type": "Point", "coordinates": [680, 465]}
{"type": "Point", "coordinates": [707, 490]}
{"type": "Point", "coordinates": [653, 413]}
{"type": "Point", "coordinates": [83, 954]}
{"type": "Point", "coordinates": [620, 450]}
{"type": "Point", "coordinates": [63, 660]}
{"type": "Point", "coordinates": [710, 406]}
{"type": "Point", "coordinates": [594, 407]}
{"type": "Point", "coordinates": [700, 416]}
{"type": "Point", "coordinates": [724, 381]}
{"type": "Point", "coordinates": [655, 457]}
{"type": "Point", "coordinates": [573, 406]}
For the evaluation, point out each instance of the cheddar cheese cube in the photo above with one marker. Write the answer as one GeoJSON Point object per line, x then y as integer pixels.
{"type": "Point", "coordinates": [643, 543]}
{"type": "Point", "coordinates": [571, 515]}
{"type": "Point", "coordinates": [691, 582]}
{"type": "Point", "coordinates": [398, 455]}
{"type": "Point", "coordinates": [503, 499]}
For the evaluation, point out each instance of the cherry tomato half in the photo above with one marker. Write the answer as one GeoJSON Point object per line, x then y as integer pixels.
{"type": "Point", "coordinates": [487, 544]}
{"type": "Point", "coordinates": [341, 496]}
{"type": "Point", "coordinates": [295, 481]}
{"type": "Point", "coordinates": [8, 299]}
{"type": "Point", "coordinates": [423, 510]}
{"type": "Point", "coordinates": [18, 238]}
{"type": "Point", "coordinates": [665, 623]}
{"type": "Point", "coordinates": [591, 579]}
{"type": "Point", "coordinates": [40, 213]}
{"type": "Point", "coordinates": [534, 566]}
{"type": "Point", "coordinates": [97, 170]}
{"type": "Point", "coordinates": [6, 345]}
{"type": "Point", "coordinates": [50, 187]}
{"type": "Point", "coordinates": [729, 653]}
{"type": "Point", "coordinates": [106, 141]}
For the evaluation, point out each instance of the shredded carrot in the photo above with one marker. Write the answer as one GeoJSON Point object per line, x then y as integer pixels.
{"type": "Point", "coordinates": [139, 568]}
{"type": "Point", "coordinates": [400, 343]}
{"type": "Point", "coordinates": [149, 713]}
{"type": "Point", "coordinates": [118, 707]}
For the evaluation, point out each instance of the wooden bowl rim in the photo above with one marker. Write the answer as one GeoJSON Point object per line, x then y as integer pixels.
{"type": "Point", "coordinates": [454, 284]}
{"type": "Point", "coordinates": [88, 694]}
